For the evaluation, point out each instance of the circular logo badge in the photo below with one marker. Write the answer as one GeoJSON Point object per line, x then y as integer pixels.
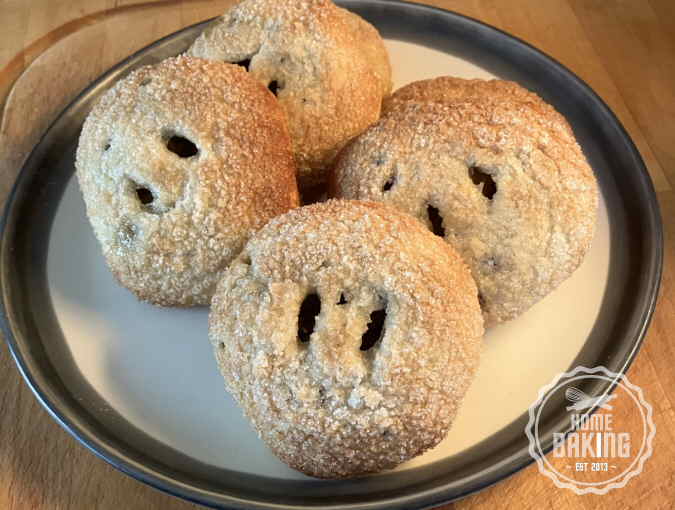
{"type": "Point", "coordinates": [604, 446]}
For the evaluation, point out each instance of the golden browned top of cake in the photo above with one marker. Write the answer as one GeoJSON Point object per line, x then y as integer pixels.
{"type": "Point", "coordinates": [327, 66]}
{"type": "Point", "coordinates": [499, 176]}
{"type": "Point", "coordinates": [178, 164]}
{"type": "Point", "coordinates": [349, 335]}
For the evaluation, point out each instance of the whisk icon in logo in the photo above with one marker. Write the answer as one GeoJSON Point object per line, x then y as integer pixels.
{"type": "Point", "coordinates": [583, 401]}
{"type": "Point", "coordinates": [603, 445]}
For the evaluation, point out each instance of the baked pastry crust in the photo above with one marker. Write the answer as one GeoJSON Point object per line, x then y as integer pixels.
{"type": "Point", "coordinates": [325, 406]}
{"type": "Point", "coordinates": [328, 66]}
{"type": "Point", "coordinates": [437, 138]}
{"type": "Point", "coordinates": [449, 89]}
{"type": "Point", "coordinates": [170, 224]}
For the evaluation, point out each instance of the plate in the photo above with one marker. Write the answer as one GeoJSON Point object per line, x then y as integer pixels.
{"type": "Point", "coordinates": [138, 385]}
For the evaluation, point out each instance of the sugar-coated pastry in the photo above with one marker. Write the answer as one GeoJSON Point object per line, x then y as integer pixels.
{"type": "Point", "coordinates": [493, 170]}
{"type": "Point", "coordinates": [449, 89]}
{"type": "Point", "coordinates": [178, 164]}
{"type": "Point", "coordinates": [349, 334]}
{"type": "Point", "coordinates": [327, 66]}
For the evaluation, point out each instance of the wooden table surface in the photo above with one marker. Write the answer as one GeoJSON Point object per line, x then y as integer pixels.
{"type": "Point", "coordinates": [625, 49]}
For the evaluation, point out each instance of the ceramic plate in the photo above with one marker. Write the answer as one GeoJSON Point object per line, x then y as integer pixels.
{"type": "Point", "coordinates": [139, 386]}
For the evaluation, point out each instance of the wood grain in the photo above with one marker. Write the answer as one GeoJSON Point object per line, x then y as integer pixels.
{"type": "Point", "coordinates": [625, 49]}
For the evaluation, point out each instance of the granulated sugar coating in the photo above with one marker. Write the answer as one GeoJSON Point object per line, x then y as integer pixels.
{"type": "Point", "coordinates": [328, 67]}
{"type": "Point", "coordinates": [349, 335]}
{"type": "Point", "coordinates": [178, 164]}
{"type": "Point", "coordinates": [449, 89]}
{"type": "Point", "coordinates": [491, 168]}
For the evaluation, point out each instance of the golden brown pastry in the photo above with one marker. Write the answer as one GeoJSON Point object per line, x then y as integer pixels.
{"type": "Point", "coordinates": [490, 168]}
{"type": "Point", "coordinates": [349, 334]}
{"type": "Point", "coordinates": [178, 164]}
{"type": "Point", "coordinates": [327, 66]}
{"type": "Point", "coordinates": [449, 89]}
